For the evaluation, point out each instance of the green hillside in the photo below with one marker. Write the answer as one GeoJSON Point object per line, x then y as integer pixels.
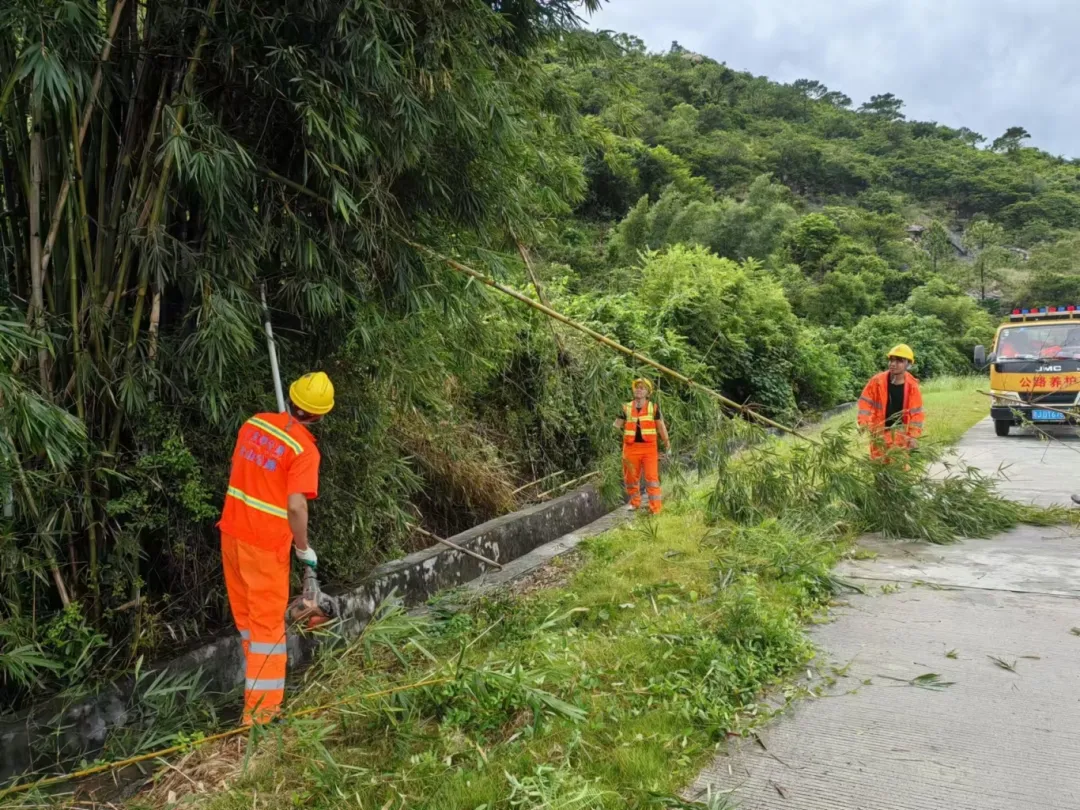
{"type": "Point", "coordinates": [788, 239]}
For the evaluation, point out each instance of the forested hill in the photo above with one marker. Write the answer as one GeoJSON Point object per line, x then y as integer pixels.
{"type": "Point", "coordinates": [164, 165]}
{"type": "Point", "coordinates": [845, 229]}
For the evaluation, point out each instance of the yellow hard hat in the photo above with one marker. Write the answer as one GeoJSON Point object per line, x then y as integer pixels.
{"type": "Point", "coordinates": [641, 381]}
{"type": "Point", "coordinates": [313, 393]}
{"type": "Point", "coordinates": [902, 350]}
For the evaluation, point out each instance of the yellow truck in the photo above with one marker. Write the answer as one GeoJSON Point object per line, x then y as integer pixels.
{"type": "Point", "coordinates": [1034, 368]}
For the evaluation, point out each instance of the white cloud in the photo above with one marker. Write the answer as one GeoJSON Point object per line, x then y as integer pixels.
{"type": "Point", "coordinates": [983, 64]}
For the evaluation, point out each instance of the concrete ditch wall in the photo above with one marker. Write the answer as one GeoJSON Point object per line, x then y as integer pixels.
{"type": "Point", "coordinates": [66, 729]}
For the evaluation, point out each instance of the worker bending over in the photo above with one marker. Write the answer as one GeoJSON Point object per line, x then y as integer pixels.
{"type": "Point", "coordinates": [891, 406]}
{"type": "Point", "coordinates": [275, 471]}
{"type": "Point", "coordinates": [640, 422]}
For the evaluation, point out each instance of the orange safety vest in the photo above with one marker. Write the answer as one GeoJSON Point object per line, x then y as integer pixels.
{"type": "Point", "coordinates": [874, 402]}
{"type": "Point", "coordinates": [645, 418]}
{"type": "Point", "coordinates": [274, 455]}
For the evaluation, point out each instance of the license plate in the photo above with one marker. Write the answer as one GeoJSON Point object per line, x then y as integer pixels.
{"type": "Point", "coordinates": [1047, 416]}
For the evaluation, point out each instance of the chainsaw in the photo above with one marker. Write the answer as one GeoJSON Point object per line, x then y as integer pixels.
{"type": "Point", "coordinates": [312, 608]}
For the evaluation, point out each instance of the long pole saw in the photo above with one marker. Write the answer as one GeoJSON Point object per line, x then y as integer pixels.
{"type": "Point", "coordinates": [272, 347]}
{"type": "Point", "coordinates": [606, 341]}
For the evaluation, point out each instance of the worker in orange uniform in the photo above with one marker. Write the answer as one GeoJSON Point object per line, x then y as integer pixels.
{"type": "Point", "coordinates": [891, 405]}
{"type": "Point", "coordinates": [640, 422]}
{"type": "Point", "coordinates": [275, 471]}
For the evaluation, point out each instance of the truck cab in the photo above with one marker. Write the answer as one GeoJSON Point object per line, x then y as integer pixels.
{"type": "Point", "coordinates": [1034, 368]}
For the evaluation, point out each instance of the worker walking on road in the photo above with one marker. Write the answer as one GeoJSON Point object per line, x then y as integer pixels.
{"type": "Point", "coordinates": [891, 406]}
{"type": "Point", "coordinates": [640, 422]}
{"type": "Point", "coordinates": [275, 471]}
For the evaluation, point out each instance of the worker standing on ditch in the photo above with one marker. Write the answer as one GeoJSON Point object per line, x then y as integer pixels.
{"type": "Point", "coordinates": [275, 471]}
{"type": "Point", "coordinates": [640, 422]}
{"type": "Point", "coordinates": [891, 406]}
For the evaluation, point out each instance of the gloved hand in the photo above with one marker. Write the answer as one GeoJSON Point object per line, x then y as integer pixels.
{"type": "Point", "coordinates": [307, 556]}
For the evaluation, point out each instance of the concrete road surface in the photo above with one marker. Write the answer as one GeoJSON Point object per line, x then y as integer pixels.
{"type": "Point", "coordinates": [1005, 735]}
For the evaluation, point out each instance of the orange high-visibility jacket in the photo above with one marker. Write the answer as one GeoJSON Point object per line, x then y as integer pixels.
{"type": "Point", "coordinates": [646, 418]}
{"type": "Point", "coordinates": [875, 399]}
{"type": "Point", "coordinates": [275, 456]}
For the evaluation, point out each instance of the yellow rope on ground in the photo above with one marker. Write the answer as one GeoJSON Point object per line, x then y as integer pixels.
{"type": "Point", "coordinates": [176, 749]}
{"type": "Point", "coordinates": [606, 341]}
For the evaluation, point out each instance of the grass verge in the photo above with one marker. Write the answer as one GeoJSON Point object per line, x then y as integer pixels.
{"type": "Point", "coordinates": [608, 692]}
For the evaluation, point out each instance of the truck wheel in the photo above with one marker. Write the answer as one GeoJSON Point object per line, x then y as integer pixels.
{"type": "Point", "coordinates": [1001, 427]}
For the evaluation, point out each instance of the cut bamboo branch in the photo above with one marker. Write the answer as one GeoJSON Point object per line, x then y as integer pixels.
{"type": "Point", "coordinates": [58, 580]}
{"type": "Point", "coordinates": [285, 181]}
{"type": "Point", "coordinates": [603, 339]}
{"type": "Point", "coordinates": [88, 111]}
{"type": "Point", "coordinates": [456, 547]}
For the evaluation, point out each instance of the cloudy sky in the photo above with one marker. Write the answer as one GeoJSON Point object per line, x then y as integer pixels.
{"type": "Point", "coordinates": [984, 64]}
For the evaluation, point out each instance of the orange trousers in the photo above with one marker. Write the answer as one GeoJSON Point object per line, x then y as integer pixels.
{"type": "Point", "coordinates": [638, 457]}
{"type": "Point", "coordinates": [257, 581]}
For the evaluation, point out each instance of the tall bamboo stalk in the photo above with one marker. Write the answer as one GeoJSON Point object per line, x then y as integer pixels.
{"type": "Point", "coordinates": [93, 300]}
{"type": "Point", "coordinates": [159, 200]}
{"type": "Point", "coordinates": [37, 304]}
{"type": "Point", "coordinates": [123, 170]}
{"type": "Point", "coordinates": [139, 192]}
{"type": "Point", "coordinates": [80, 183]}
{"type": "Point", "coordinates": [88, 111]}
{"type": "Point", "coordinates": [102, 196]}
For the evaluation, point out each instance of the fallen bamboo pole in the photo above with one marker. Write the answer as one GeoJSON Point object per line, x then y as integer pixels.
{"type": "Point", "coordinates": [537, 481]}
{"type": "Point", "coordinates": [599, 338]}
{"type": "Point", "coordinates": [456, 547]}
{"type": "Point", "coordinates": [568, 484]}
